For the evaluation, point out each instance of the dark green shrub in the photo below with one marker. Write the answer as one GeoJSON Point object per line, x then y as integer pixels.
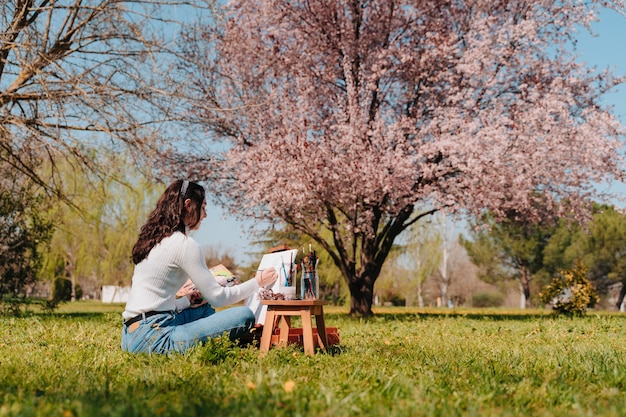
{"type": "Point", "coordinates": [62, 290]}
{"type": "Point", "coordinates": [487, 299]}
{"type": "Point", "coordinates": [79, 292]}
{"type": "Point", "coordinates": [570, 292]}
{"type": "Point", "coordinates": [24, 231]}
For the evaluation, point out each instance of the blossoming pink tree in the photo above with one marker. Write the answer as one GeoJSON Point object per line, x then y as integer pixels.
{"type": "Point", "coordinates": [360, 118]}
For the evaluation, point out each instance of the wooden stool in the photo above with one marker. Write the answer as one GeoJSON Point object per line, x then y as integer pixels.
{"type": "Point", "coordinates": [279, 314]}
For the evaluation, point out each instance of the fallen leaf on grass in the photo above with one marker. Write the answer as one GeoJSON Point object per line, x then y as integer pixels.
{"type": "Point", "coordinates": [289, 385]}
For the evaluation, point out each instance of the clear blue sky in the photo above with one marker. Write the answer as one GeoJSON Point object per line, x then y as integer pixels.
{"type": "Point", "coordinates": [607, 49]}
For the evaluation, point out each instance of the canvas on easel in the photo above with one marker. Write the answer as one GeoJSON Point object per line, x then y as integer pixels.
{"type": "Point", "coordinates": [283, 262]}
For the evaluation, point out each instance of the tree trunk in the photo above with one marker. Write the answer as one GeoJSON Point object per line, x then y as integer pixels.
{"type": "Point", "coordinates": [73, 280]}
{"type": "Point", "coordinates": [361, 296]}
{"type": "Point", "coordinates": [443, 267]}
{"type": "Point", "coordinates": [373, 253]}
{"type": "Point", "coordinates": [525, 288]}
{"type": "Point", "coordinates": [620, 298]}
{"type": "Point", "coordinates": [420, 296]}
{"type": "Point", "coordinates": [444, 293]}
{"type": "Point", "coordinates": [70, 267]}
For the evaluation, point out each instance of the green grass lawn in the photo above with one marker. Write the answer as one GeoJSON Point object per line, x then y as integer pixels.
{"type": "Point", "coordinates": [402, 362]}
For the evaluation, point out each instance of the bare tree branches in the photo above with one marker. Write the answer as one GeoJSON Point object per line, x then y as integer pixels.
{"type": "Point", "coordinates": [77, 75]}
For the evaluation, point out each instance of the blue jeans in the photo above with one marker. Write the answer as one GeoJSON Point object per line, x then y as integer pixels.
{"type": "Point", "coordinates": [176, 332]}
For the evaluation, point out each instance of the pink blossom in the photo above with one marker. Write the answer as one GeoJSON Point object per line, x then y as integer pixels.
{"type": "Point", "coordinates": [357, 112]}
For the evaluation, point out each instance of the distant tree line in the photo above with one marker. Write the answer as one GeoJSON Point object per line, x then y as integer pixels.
{"type": "Point", "coordinates": [88, 246]}
{"type": "Point", "coordinates": [532, 254]}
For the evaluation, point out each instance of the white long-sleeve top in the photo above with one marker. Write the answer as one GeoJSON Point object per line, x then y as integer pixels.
{"type": "Point", "coordinates": [160, 275]}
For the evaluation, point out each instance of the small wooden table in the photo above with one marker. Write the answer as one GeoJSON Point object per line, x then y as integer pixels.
{"type": "Point", "coordinates": [279, 314]}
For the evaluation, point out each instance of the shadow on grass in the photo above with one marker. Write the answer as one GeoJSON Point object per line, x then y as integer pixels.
{"type": "Point", "coordinates": [67, 316]}
{"type": "Point", "coordinates": [94, 310]}
{"type": "Point", "coordinates": [464, 315]}
{"type": "Point", "coordinates": [83, 315]}
{"type": "Point", "coordinates": [392, 314]}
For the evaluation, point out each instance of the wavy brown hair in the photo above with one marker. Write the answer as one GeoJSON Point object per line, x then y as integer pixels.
{"type": "Point", "coordinates": [169, 216]}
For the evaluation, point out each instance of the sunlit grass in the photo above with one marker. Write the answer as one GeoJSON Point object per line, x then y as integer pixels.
{"type": "Point", "coordinates": [403, 362]}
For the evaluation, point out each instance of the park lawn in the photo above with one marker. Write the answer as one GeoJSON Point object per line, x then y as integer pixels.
{"type": "Point", "coordinates": [403, 362]}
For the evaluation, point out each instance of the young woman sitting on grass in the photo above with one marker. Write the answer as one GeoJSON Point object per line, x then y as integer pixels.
{"type": "Point", "coordinates": [155, 320]}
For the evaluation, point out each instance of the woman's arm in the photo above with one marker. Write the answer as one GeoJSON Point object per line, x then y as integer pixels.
{"type": "Point", "coordinates": [194, 265]}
